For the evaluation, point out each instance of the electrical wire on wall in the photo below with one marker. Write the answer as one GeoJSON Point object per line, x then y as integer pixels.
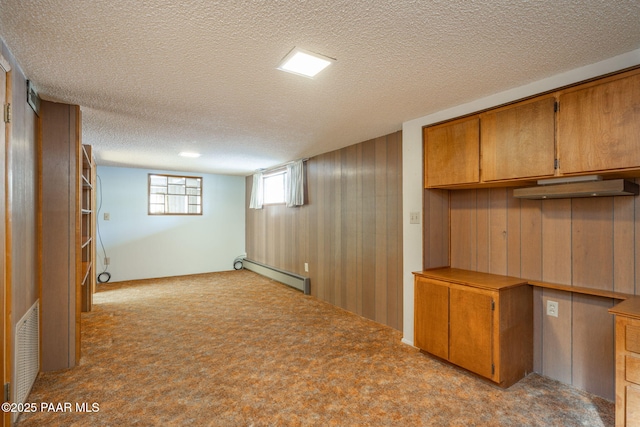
{"type": "Point", "coordinates": [105, 276]}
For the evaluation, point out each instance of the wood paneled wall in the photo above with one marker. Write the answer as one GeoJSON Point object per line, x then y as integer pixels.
{"type": "Point", "coordinates": [593, 243]}
{"type": "Point", "coordinates": [349, 232]}
{"type": "Point", "coordinates": [60, 232]}
{"type": "Point", "coordinates": [436, 228]}
{"type": "Point", "coordinates": [21, 201]}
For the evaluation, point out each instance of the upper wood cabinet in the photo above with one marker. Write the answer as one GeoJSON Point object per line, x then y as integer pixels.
{"type": "Point", "coordinates": [518, 141]}
{"type": "Point", "coordinates": [452, 153]}
{"type": "Point", "coordinates": [599, 125]}
{"type": "Point", "coordinates": [596, 129]}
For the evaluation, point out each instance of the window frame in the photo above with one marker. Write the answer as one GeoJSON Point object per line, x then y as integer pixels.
{"type": "Point", "coordinates": [270, 174]}
{"type": "Point", "coordinates": [166, 205]}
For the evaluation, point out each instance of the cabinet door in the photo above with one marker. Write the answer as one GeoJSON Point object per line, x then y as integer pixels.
{"type": "Point", "coordinates": [471, 330]}
{"type": "Point", "coordinates": [431, 327]}
{"type": "Point", "coordinates": [518, 141]}
{"type": "Point", "coordinates": [599, 126]}
{"type": "Point", "coordinates": [452, 153]}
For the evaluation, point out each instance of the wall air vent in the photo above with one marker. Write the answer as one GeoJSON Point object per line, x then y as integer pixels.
{"type": "Point", "coordinates": [593, 188]}
{"type": "Point", "coordinates": [32, 97]}
{"type": "Point", "coordinates": [27, 353]}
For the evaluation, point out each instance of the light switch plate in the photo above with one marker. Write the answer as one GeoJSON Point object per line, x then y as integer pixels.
{"type": "Point", "coordinates": [414, 218]}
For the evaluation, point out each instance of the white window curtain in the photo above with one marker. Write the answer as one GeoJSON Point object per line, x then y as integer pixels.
{"type": "Point", "coordinates": [256, 192]}
{"type": "Point", "coordinates": [294, 195]}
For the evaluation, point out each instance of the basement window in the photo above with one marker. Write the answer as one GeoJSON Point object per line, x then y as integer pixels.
{"type": "Point", "coordinates": [175, 195]}
{"type": "Point", "coordinates": [273, 187]}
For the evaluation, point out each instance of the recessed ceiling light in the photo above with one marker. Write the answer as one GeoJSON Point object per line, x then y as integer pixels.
{"type": "Point", "coordinates": [304, 63]}
{"type": "Point", "coordinates": [189, 154]}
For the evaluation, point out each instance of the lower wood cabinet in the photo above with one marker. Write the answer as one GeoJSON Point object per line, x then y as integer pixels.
{"type": "Point", "coordinates": [627, 362]}
{"type": "Point", "coordinates": [472, 320]}
{"type": "Point", "coordinates": [480, 322]}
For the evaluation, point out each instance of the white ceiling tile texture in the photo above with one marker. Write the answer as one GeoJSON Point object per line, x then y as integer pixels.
{"type": "Point", "coordinates": [158, 77]}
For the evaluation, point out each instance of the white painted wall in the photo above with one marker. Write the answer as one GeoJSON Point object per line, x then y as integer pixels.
{"type": "Point", "coordinates": [412, 159]}
{"type": "Point", "coordinates": [142, 246]}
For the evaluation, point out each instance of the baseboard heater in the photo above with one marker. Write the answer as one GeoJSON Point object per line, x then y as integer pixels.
{"type": "Point", "coordinates": [290, 279]}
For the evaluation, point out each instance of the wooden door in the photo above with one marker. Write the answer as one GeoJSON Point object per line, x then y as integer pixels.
{"type": "Point", "coordinates": [471, 330]}
{"type": "Point", "coordinates": [431, 328]}
{"type": "Point", "coordinates": [599, 125]}
{"type": "Point", "coordinates": [5, 302]}
{"type": "Point", "coordinates": [518, 141]}
{"type": "Point", "coordinates": [452, 153]}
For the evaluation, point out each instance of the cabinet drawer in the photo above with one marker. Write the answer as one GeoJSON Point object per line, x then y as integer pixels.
{"type": "Point", "coordinates": [632, 369]}
{"type": "Point", "coordinates": [633, 338]}
{"type": "Point", "coordinates": [633, 406]}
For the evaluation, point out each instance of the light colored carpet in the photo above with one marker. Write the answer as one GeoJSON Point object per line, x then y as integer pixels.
{"type": "Point", "coordinates": [236, 349]}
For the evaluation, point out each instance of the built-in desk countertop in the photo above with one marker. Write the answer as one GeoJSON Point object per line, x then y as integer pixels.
{"type": "Point", "coordinates": [492, 282]}
{"type": "Point", "coordinates": [496, 282]}
{"type": "Point", "coordinates": [628, 308]}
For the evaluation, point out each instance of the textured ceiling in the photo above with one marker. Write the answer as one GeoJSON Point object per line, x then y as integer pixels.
{"type": "Point", "coordinates": [157, 77]}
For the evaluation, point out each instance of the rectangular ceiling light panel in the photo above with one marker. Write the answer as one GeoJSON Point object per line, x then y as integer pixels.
{"type": "Point", "coordinates": [304, 63]}
{"type": "Point", "coordinates": [189, 154]}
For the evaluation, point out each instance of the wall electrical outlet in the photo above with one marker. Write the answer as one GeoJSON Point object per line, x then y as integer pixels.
{"type": "Point", "coordinates": [107, 216]}
{"type": "Point", "coordinates": [306, 267]}
{"type": "Point", "coordinates": [414, 218]}
{"type": "Point", "coordinates": [552, 308]}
